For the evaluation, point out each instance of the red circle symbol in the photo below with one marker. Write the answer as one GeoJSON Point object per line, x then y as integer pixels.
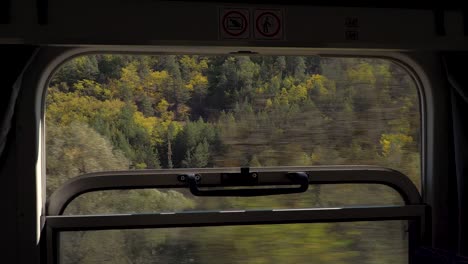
{"type": "Point", "coordinates": [262, 28]}
{"type": "Point", "coordinates": [234, 23]}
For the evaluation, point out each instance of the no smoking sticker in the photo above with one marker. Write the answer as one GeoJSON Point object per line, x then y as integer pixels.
{"type": "Point", "coordinates": [238, 23]}
{"type": "Point", "coordinates": [268, 24]}
{"type": "Point", "coordinates": [234, 23]}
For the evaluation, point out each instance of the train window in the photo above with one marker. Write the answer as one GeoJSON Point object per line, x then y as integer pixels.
{"type": "Point", "coordinates": [143, 116]}
{"type": "Point", "coordinates": [111, 112]}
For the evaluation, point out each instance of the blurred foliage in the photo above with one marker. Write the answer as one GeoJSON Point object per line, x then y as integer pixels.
{"type": "Point", "coordinates": [113, 112]}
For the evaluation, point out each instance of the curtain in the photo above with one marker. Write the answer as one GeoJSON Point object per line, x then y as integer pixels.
{"type": "Point", "coordinates": [457, 76]}
{"type": "Point", "coordinates": [14, 60]}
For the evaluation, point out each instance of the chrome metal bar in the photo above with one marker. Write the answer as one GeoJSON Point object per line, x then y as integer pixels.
{"type": "Point", "coordinates": [238, 217]}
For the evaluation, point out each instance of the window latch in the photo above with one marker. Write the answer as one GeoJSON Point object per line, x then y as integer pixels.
{"type": "Point", "coordinates": [246, 178]}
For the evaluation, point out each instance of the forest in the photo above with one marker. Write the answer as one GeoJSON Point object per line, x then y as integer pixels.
{"type": "Point", "coordinates": [115, 112]}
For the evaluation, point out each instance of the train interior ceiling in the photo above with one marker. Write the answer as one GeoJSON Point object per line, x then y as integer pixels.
{"type": "Point", "coordinates": [233, 132]}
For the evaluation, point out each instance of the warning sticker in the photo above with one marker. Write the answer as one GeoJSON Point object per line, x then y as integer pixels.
{"type": "Point", "coordinates": [234, 23]}
{"type": "Point", "coordinates": [268, 24]}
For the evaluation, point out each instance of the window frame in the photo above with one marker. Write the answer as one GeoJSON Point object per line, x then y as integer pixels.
{"type": "Point", "coordinates": [423, 67]}
{"type": "Point", "coordinates": [414, 210]}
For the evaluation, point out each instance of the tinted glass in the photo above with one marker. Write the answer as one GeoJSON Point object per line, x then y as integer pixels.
{"type": "Point", "coordinates": [359, 242]}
